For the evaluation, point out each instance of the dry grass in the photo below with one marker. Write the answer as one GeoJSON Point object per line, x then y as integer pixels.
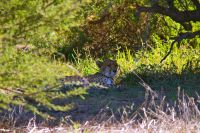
{"type": "Point", "coordinates": [154, 115]}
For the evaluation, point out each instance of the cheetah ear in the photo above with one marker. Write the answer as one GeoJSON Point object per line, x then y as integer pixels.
{"type": "Point", "coordinates": [99, 63]}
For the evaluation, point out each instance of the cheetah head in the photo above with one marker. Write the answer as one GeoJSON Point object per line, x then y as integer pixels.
{"type": "Point", "coordinates": [108, 67]}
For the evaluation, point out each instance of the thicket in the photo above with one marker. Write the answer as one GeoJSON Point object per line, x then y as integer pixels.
{"type": "Point", "coordinates": [31, 31]}
{"type": "Point", "coordinates": [93, 26]}
{"type": "Point", "coordinates": [37, 37]}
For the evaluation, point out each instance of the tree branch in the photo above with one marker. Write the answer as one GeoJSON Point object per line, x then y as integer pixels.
{"type": "Point", "coordinates": [182, 17]}
{"type": "Point", "coordinates": [196, 3]}
{"type": "Point", "coordinates": [178, 39]}
{"type": "Point", "coordinates": [103, 17]}
{"type": "Point", "coordinates": [176, 15]}
{"type": "Point", "coordinates": [169, 52]}
{"type": "Point", "coordinates": [170, 3]}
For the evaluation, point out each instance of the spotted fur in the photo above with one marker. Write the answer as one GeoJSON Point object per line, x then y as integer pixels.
{"type": "Point", "coordinates": [105, 77]}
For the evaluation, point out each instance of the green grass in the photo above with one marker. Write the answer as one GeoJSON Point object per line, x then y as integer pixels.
{"type": "Point", "coordinates": [33, 73]}
{"type": "Point", "coordinates": [180, 69]}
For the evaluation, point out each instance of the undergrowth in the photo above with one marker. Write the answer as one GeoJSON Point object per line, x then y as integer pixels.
{"type": "Point", "coordinates": [27, 74]}
{"type": "Point", "coordinates": [32, 81]}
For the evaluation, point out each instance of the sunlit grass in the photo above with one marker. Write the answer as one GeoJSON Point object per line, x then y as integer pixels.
{"type": "Point", "coordinates": [32, 73]}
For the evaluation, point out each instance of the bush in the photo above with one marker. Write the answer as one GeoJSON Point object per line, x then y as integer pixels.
{"type": "Point", "coordinates": [32, 81]}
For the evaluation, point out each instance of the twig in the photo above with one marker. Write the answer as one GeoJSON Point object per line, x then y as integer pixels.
{"type": "Point", "coordinates": [103, 17]}
{"type": "Point", "coordinates": [178, 39]}
{"type": "Point", "coordinates": [170, 50]}
{"type": "Point", "coordinates": [10, 90]}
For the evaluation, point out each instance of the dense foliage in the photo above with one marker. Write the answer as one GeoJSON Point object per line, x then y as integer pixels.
{"type": "Point", "coordinates": [37, 37]}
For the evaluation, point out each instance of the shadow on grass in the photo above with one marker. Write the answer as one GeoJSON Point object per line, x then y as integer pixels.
{"type": "Point", "coordinates": [130, 94]}
{"type": "Point", "coordinates": [100, 104]}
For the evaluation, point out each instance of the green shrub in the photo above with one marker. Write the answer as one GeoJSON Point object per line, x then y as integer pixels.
{"type": "Point", "coordinates": [32, 77]}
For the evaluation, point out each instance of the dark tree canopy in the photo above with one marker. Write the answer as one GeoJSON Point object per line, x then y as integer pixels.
{"type": "Point", "coordinates": [172, 9]}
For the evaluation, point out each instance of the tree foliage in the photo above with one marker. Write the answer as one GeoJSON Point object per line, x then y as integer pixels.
{"type": "Point", "coordinates": [183, 12]}
{"type": "Point", "coordinates": [32, 82]}
{"type": "Point", "coordinates": [42, 23]}
{"type": "Point", "coordinates": [110, 26]}
{"type": "Point", "coordinates": [31, 30]}
{"type": "Point", "coordinates": [34, 31]}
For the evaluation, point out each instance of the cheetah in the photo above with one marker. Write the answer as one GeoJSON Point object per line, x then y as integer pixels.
{"type": "Point", "coordinates": [108, 70]}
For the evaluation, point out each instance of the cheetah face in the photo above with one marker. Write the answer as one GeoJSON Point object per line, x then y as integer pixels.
{"type": "Point", "coordinates": [108, 67]}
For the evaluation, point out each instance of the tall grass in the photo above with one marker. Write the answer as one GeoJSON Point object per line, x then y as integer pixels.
{"type": "Point", "coordinates": [180, 59]}
{"type": "Point", "coordinates": [151, 116]}
{"type": "Point", "coordinates": [30, 73]}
